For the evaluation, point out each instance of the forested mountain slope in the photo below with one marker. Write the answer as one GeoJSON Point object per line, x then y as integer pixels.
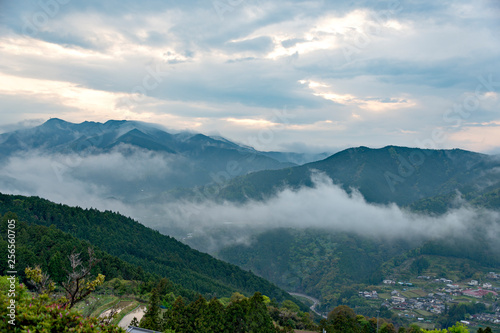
{"type": "Point", "coordinates": [141, 246]}
{"type": "Point", "coordinates": [49, 248]}
{"type": "Point", "coordinates": [390, 174]}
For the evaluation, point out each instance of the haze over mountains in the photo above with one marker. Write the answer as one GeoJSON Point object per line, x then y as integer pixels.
{"type": "Point", "coordinates": [300, 226]}
{"type": "Point", "coordinates": [150, 160]}
{"type": "Point", "coordinates": [183, 183]}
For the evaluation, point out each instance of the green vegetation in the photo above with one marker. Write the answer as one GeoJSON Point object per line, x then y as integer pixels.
{"type": "Point", "coordinates": [344, 319]}
{"type": "Point", "coordinates": [335, 267]}
{"type": "Point", "coordinates": [390, 174]}
{"type": "Point", "coordinates": [319, 263]}
{"type": "Point", "coordinates": [41, 313]}
{"type": "Point", "coordinates": [128, 249]}
{"type": "Point", "coordinates": [49, 248]}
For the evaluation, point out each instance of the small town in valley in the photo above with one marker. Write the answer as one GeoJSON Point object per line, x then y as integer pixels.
{"type": "Point", "coordinates": [422, 299]}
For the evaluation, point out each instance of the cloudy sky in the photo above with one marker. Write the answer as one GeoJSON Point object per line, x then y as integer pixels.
{"type": "Point", "coordinates": [277, 75]}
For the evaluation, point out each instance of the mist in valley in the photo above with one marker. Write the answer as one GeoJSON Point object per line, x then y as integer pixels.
{"type": "Point", "coordinates": [133, 182]}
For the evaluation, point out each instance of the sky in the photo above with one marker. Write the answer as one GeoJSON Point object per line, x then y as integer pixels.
{"type": "Point", "coordinates": [277, 75]}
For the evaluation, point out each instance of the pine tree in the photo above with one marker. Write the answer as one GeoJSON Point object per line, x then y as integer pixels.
{"type": "Point", "coordinates": [56, 269]}
{"type": "Point", "coordinates": [235, 317]}
{"type": "Point", "coordinates": [258, 318]}
{"type": "Point", "coordinates": [174, 318]}
{"type": "Point", "coordinates": [196, 315]}
{"type": "Point", "coordinates": [151, 319]}
{"type": "Point", "coordinates": [215, 317]}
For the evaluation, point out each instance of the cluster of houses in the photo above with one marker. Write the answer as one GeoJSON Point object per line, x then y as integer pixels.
{"type": "Point", "coordinates": [400, 283]}
{"type": "Point", "coordinates": [457, 290]}
{"type": "Point", "coordinates": [368, 294]}
{"type": "Point", "coordinates": [487, 317]}
{"type": "Point", "coordinates": [434, 303]}
{"type": "Point", "coordinates": [480, 292]}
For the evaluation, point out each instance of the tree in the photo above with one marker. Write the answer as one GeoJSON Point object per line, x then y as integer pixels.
{"type": "Point", "coordinates": [287, 304]}
{"type": "Point", "coordinates": [41, 281]}
{"type": "Point", "coordinates": [195, 314]}
{"type": "Point", "coordinates": [40, 314]}
{"type": "Point", "coordinates": [387, 328]}
{"type": "Point", "coordinates": [134, 322]}
{"type": "Point", "coordinates": [174, 318]}
{"type": "Point", "coordinates": [236, 297]}
{"type": "Point", "coordinates": [151, 319]}
{"type": "Point", "coordinates": [215, 316]}
{"type": "Point", "coordinates": [234, 317]}
{"type": "Point", "coordinates": [77, 287]}
{"type": "Point", "coordinates": [458, 328]}
{"type": "Point", "coordinates": [55, 267]}
{"type": "Point", "coordinates": [419, 265]}
{"type": "Point", "coordinates": [343, 319]}
{"type": "Point", "coordinates": [414, 328]}
{"type": "Point", "coordinates": [258, 319]}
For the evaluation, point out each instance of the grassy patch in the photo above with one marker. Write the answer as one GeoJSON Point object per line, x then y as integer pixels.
{"type": "Point", "coordinates": [384, 296]}
{"type": "Point", "coordinates": [127, 307]}
{"type": "Point", "coordinates": [105, 304]}
{"type": "Point", "coordinates": [426, 326]}
{"type": "Point", "coordinates": [420, 293]}
{"type": "Point", "coordinates": [424, 313]}
{"type": "Point", "coordinates": [410, 294]}
{"type": "Point", "coordinates": [465, 299]}
{"type": "Point", "coordinates": [95, 305]}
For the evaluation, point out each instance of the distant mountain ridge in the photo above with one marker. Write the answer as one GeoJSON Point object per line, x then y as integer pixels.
{"type": "Point", "coordinates": [189, 159]}
{"type": "Point", "coordinates": [391, 174]}
{"type": "Point", "coordinates": [57, 135]}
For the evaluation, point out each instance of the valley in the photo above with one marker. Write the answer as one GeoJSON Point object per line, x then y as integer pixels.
{"type": "Point", "coordinates": [394, 232]}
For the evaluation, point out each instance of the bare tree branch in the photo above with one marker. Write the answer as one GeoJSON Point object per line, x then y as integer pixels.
{"type": "Point", "coordinates": [77, 288]}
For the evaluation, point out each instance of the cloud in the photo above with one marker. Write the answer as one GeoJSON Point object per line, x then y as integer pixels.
{"type": "Point", "coordinates": [132, 181]}
{"type": "Point", "coordinates": [246, 61]}
{"type": "Point", "coordinates": [24, 124]}
{"type": "Point", "coordinates": [126, 174]}
{"type": "Point", "coordinates": [325, 206]}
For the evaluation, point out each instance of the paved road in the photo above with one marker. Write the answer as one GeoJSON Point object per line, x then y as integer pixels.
{"type": "Point", "coordinates": [312, 299]}
{"type": "Point", "coordinates": [137, 312]}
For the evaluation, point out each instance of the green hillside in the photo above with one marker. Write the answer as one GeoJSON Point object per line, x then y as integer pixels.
{"type": "Point", "coordinates": [390, 174]}
{"type": "Point", "coordinates": [138, 245]}
{"type": "Point", "coordinates": [319, 263]}
{"type": "Point", "coordinates": [333, 265]}
{"type": "Point", "coordinates": [49, 248]}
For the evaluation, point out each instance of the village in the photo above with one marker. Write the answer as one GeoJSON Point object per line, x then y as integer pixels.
{"type": "Point", "coordinates": [424, 298]}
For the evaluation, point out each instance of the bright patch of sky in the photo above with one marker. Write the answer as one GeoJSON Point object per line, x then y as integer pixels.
{"type": "Point", "coordinates": [312, 74]}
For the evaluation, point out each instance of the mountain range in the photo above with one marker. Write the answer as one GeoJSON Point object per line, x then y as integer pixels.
{"type": "Point", "coordinates": [179, 160]}
{"type": "Point", "coordinates": [451, 198]}
{"type": "Point", "coordinates": [59, 136]}
{"type": "Point", "coordinates": [391, 174]}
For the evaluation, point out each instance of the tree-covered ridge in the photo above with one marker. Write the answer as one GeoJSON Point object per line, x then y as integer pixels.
{"type": "Point", "coordinates": [391, 174]}
{"type": "Point", "coordinates": [141, 246]}
{"type": "Point", "coordinates": [49, 248]}
{"type": "Point", "coordinates": [316, 262]}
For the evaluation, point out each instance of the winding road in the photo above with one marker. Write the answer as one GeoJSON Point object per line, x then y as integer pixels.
{"type": "Point", "coordinates": [312, 299]}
